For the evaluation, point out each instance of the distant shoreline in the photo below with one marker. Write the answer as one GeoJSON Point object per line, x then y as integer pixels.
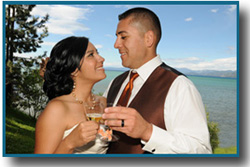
{"type": "Point", "coordinates": [208, 76]}
{"type": "Point", "coordinates": [186, 73]}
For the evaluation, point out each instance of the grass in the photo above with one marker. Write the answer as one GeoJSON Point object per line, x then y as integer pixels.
{"type": "Point", "coordinates": [228, 150]}
{"type": "Point", "coordinates": [20, 134]}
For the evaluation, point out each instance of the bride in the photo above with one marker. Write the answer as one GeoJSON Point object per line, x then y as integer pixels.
{"type": "Point", "coordinates": [71, 72]}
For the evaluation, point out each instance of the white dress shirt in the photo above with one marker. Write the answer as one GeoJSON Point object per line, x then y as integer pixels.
{"type": "Point", "coordinates": [184, 115]}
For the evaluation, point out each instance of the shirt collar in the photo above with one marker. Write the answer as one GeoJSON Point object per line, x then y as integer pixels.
{"type": "Point", "coordinates": [146, 69]}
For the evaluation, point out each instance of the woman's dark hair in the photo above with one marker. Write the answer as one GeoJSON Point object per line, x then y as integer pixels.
{"type": "Point", "coordinates": [65, 58]}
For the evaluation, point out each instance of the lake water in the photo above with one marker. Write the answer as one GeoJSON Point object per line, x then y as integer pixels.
{"type": "Point", "coordinates": [219, 95]}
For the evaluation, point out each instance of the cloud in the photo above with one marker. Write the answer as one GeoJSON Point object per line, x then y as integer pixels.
{"type": "Point", "coordinates": [124, 6]}
{"type": "Point", "coordinates": [231, 50]}
{"type": "Point", "coordinates": [232, 8]}
{"type": "Point", "coordinates": [195, 63]}
{"type": "Point", "coordinates": [184, 60]}
{"type": "Point", "coordinates": [98, 46]}
{"type": "Point", "coordinates": [48, 43]}
{"type": "Point", "coordinates": [214, 10]}
{"type": "Point", "coordinates": [189, 19]}
{"type": "Point", "coordinates": [63, 19]}
{"type": "Point", "coordinates": [26, 55]}
{"type": "Point", "coordinates": [109, 35]}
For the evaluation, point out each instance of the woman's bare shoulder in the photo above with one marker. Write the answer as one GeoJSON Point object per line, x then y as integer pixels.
{"type": "Point", "coordinates": [56, 106]}
{"type": "Point", "coordinates": [55, 110]}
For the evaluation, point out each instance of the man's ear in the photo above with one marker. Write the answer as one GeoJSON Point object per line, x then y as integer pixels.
{"type": "Point", "coordinates": [149, 38]}
{"type": "Point", "coordinates": [75, 73]}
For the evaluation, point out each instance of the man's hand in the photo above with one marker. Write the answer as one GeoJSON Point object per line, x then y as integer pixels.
{"type": "Point", "coordinates": [135, 125]}
{"type": "Point", "coordinates": [43, 66]}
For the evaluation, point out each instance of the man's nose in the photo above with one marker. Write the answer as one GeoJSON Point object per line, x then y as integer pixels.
{"type": "Point", "coordinates": [117, 43]}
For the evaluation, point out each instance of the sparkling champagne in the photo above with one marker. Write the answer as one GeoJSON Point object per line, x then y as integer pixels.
{"type": "Point", "coordinates": [97, 117]}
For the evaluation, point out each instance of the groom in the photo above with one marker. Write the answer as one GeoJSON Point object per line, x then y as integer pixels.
{"type": "Point", "coordinates": [159, 109]}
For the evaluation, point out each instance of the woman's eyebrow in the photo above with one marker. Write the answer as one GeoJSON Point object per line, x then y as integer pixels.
{"type": "Point", "coordinates": [90, 51]}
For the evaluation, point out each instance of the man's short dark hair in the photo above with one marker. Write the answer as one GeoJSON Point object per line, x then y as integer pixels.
{"type": "Point", "coordinates": [146, 18]}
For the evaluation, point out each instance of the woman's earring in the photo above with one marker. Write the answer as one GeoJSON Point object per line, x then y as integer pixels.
{"type": "Point", "coordinates": [74, 85]}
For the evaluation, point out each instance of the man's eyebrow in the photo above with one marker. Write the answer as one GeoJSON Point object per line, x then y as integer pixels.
{"type": "Point", "coordinates": [120, 32]}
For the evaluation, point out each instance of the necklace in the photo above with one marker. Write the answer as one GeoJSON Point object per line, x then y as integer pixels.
{"type": "Point", "coordinates": [81, 102]}
{"type": "Point", "coordinates": [93, 102]}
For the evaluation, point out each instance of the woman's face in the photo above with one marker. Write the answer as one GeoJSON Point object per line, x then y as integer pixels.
{"type": "Point", "coordinates": [92, 65]}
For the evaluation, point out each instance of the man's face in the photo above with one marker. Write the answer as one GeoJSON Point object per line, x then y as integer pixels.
{"type": "Point", "coordinates": [131, 45]}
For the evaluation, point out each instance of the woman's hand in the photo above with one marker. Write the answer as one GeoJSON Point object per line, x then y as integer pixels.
{"type": "Point", "coordinates": [82, 134]}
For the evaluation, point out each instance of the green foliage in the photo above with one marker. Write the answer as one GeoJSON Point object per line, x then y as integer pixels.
{"type": "Point", "coordinates": [20, 132]}
{"type": "Point", "coordinates": [23, 30]}
{"type": "Point", "coordinates": [213, 130]}
{"type": "Point", "coordinates": [24, 33]}
{"type": "Point", "coordinates": [27, 83]}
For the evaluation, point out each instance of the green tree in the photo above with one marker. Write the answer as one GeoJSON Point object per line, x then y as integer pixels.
{"type": "Point", "coordinates": [213, 130]}
{"type": "Point", "coordinates": [24, 33]}
{"type": "Point", "coordinates": [22, 30]}
{"type": "Point", "coordinates": [29, 87]}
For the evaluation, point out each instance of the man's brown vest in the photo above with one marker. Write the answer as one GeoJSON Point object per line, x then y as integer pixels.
{"type": "Point", "coordinates": [149, 102]}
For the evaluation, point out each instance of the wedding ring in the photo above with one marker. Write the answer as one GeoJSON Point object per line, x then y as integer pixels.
{"type": "Point", "coordinates": [122, 125]}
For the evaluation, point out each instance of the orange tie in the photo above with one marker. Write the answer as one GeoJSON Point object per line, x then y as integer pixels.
{"type": "Point", "coordinates": [123, 101]}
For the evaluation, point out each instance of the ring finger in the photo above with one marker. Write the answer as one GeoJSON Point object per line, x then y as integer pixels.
{"type": "Point", "coordinates": [115, 123]}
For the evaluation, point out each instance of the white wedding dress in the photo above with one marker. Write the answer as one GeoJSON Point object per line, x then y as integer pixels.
{"type": "Point", "coordinates": [94, 147]}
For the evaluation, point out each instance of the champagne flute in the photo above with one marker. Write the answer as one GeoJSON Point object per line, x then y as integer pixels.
{"type": "Point", "coordinates": [94, 110]}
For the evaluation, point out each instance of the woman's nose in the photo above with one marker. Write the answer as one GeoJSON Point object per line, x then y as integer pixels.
{"type": "Point", "coordinates": [100, 58]}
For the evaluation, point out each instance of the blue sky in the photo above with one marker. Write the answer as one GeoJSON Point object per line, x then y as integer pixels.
{"type": "Point", "coordinates": [198, 37]}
